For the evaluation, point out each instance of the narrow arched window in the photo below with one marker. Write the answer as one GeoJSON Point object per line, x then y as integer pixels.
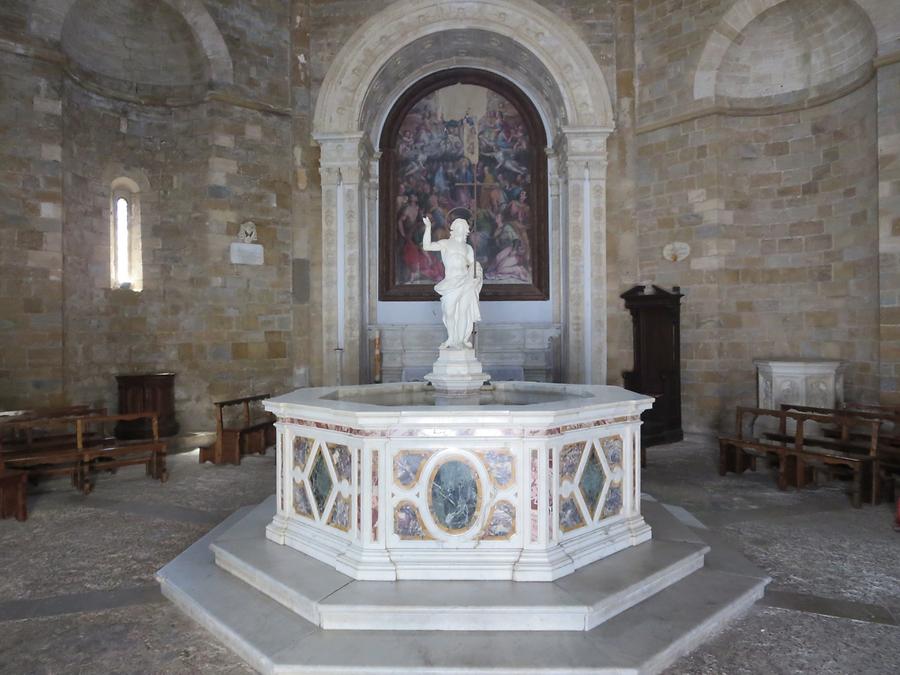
{"type": "Point", "coordinates": [122, 274]}
{"type": "Point", "coordinates": [125, 235]}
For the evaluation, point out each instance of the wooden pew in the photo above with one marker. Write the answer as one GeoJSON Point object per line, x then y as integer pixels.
{"type": "Point", "coordinates": [42, 428]}
{"type": "Point", "coordinates": [42, 447]}
{"type": "Point", "coordinates": [84, 449]}
{"type": "Point", "coordinates": [798, 455]}
{"type": "Point", "coordinates": [859, 435]}
{"type": "Point", "coordinates": [106, 453]}
{"type": "Point", "coordinates": [12, 492]}
{"type": "Point", "coordinates": [250, 436]}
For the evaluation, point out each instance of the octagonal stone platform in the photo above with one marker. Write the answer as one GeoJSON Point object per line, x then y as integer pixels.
{"type": "Point", "coordinates": [322, 596]}
{"type": "Point", "coordinates": [633, 612]}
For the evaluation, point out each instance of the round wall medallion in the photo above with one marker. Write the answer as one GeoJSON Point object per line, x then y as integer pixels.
{"type": "Point", "coordinates": [454, 500]}
{"type": "Point", "coordinates": [676, 251]}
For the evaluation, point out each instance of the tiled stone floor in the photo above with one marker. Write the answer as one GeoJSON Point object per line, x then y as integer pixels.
{"type": "Point", "coordinates": [77, 593]}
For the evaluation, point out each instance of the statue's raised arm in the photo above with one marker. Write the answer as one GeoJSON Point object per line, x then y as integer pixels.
{"type": "Point", "coordinates": [427, 244]}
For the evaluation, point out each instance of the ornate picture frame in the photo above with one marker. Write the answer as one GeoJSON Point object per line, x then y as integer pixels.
{"type": "Point", "coordinates": [464, 143]}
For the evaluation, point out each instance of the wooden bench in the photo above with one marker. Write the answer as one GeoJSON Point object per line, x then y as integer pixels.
{"type": "Point", "coordinates": [84, 449]}
{"type": "Point", "coordinates": [798, 455]}
{"type": "Point", "coordinates": [250, 436]}
{"type": "Point", "coordinates": [864, 413]}
{"type": "Point", "coordinates": [45, 428]}
{"type": "Point", "coordinates": [43, 413]}
{"type": "Point", "coordinates": [105, 453]}
{"type": "Point", "coordinates": [859, 435]}
{"type": "Point", "coordinates": [12, 493]}
{"type": "Point", "coordinates": [42, 447]}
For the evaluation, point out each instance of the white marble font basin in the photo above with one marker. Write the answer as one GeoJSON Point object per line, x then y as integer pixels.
{"type": "Point", "coordinates": [525, 481]}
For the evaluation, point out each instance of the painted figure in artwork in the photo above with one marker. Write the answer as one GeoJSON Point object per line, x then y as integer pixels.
{"type": "Point", "coordinates": [464, 151]}
{"type": "Point", "coordinates": [459, 289]}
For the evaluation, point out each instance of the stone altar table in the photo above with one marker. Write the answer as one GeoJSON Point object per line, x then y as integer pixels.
{"type": "Point", "coordinates": [812, 382]}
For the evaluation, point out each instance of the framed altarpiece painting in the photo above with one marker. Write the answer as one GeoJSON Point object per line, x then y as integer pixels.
{"type": "Point", "coordinates": [464, 143]}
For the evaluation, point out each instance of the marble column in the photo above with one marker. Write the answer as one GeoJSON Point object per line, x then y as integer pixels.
{"type": "Point", "coordinates": [585, 253]}
{"type": "Point", "coordinates": [341, 169]}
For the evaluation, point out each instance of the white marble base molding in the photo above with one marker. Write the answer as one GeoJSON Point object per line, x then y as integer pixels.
{"type": "Point", "coordinates": [386, 482]}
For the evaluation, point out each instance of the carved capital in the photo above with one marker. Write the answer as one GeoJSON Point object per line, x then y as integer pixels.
{"type": "Point", "coordinates": [340, 150]}
{"type": "Point", "coordinates": [585, 144]}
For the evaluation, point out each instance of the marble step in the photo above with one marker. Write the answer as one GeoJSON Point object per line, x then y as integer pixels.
{"type": "Point", "coordinates": [576, 602]}
{"type": "Point", "coordinates": [274, 639]}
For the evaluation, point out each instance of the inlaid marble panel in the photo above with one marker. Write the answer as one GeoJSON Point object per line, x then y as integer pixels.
{"type": "Point", "coordinates": [340, 513]}
{"type": "Point", "coordinates": [408, 522]}
{"type": "Point", "coordinates": [302, 447]}
{"type": "Point", "coordinates": [454, 495]}
{"type": "Point", "coordinates": [591, 483]}
{"type": "Point", "coordinates": [320, 482]}
{"type": "Point", "coordinates": [340, 459]}
{"type": "Point", "coordinates": [359, 491]}
{"type": "Point", "coordinates": [612, 449]}
{"type": "Point", "coordinates": [569, 459]}
{"type": "Point", "coordinates": [301, 500]}
{"type": "Point", "coordinates": [408, 467]}
{"type": "Point", "coordinates": [613, 504]}
{"type": "Point", "coordinates": [549, 493]}
{"type": "Point", "coordinates": [374, 495]}
{"type": "Point", "coordinates": [502, 522]}
{"type": "Point", "coordinates": [500, 466]}
{"type": "Point", "coordinates": [570, 517]}
{"type": "Point", "coordinates": [534, 496]}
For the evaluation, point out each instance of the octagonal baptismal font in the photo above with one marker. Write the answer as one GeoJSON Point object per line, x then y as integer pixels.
{"type": "Point", "coordinates": [403, 508]}
{"type": "Point", "coordinates": [521, 481]}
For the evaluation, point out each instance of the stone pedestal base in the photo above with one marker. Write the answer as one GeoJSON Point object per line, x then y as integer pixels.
{"type": "Point", "coordinates": [457, 371]}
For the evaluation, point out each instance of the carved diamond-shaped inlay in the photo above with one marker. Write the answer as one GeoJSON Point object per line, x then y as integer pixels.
{"type": "Point", "coordinates": [320, 482]}
{"type": "Point", "coordinates": [591, 483]}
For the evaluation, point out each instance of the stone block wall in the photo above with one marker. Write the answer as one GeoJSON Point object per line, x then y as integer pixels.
{"type": "Point", "coordinates": [204, 168]}
{"type": "Point", "coordinates": [621, 226]}
{"type": "Point", "coordinates": [307, 207]}
{"type": "Point", "coordinates": [799, 243]}
{"type": "Point", "coordinates": [31, 227]}
{"type": "Point", "coordinates": [679, 199]}
{"type": "Point", "coordinates": [889, 230]}
{"type": "Point", "coordinates": [225, 329]}
{"type": "Point", "coordinates": [670, 41]}
{"type": "Point", "coordinates": [779, 206]}
{"type": "Point", "coordinates": [258, 36]}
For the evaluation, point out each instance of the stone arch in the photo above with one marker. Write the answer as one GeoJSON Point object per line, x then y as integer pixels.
{"type": "Point", "coordinates": [555, 44]}
{"type": "Point", "coordinates": [455, 49]}
{"type": "Point", "coordinates": [554, 67]}
{"type": "Point", "coordinates": [728, 32]}
{"type": "Point", "coordinates": [48, 17]}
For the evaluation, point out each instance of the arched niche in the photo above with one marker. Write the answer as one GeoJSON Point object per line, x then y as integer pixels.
{"type": "Point", "coordinates": [48, 19]}
{"type": "Point", "coordinates": [506, 186]}
{"type": "Point", "coordinates": [770, 53]}
{"type": "Point", "coordinates": [411, 40]}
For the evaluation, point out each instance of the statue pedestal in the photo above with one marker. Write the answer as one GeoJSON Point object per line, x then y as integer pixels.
{"type": "Point", "coordinates": [457, 371]}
